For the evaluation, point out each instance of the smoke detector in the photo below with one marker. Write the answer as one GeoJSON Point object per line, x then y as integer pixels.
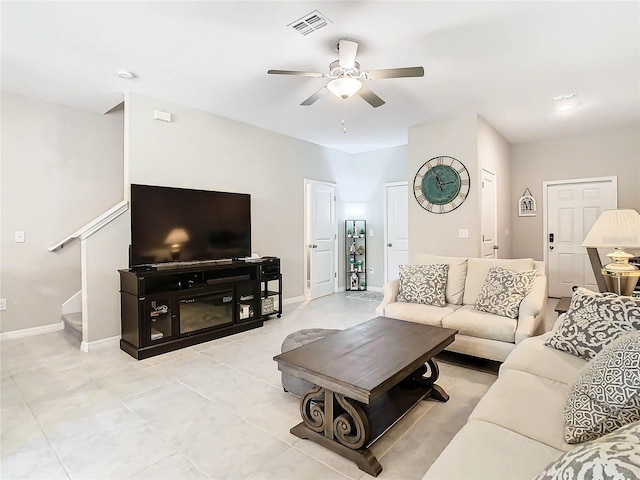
{"type": "Point", "coordinates": [125, 74]}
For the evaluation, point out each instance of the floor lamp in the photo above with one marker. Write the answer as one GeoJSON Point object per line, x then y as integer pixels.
{"type": "Point", "coordinates": [617, 229]}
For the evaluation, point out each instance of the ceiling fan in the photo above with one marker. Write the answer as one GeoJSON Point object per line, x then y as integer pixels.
{"type": "Point", "coordinates": [346, 76]}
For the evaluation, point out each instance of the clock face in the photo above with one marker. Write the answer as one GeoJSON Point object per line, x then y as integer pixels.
{"type": "Point", "coordinates": [441, 184]}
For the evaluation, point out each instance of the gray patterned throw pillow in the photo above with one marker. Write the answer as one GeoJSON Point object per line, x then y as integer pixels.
{"type": "Point", "coordinates": [503, 291]}
{"type": "Point", "coordinates": [614, 456]}
{"type": "Point", "coordinates": [592, 321]}
{"type": "Point", "coordinates": [424, 284]}
{"type": "Point", "coordinates": [606, 395]}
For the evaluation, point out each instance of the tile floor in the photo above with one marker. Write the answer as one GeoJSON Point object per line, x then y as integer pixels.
{"type": "Point", "coordinates": [214, 410]}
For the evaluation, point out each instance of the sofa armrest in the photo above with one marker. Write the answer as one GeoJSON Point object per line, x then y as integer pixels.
{"type": "Point", "coordinates": [390, 291]}
{"type": "Point", "coordinates": [533, 311]}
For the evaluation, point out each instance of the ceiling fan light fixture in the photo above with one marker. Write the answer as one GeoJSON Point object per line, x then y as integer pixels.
{"type": "Point", "coordinates": [344, 87]}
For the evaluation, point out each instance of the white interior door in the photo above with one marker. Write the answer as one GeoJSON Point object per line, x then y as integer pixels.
{"type": "Point", "coordinates": [571, 209]}
{"type": "Point", "coordinates": [321, 238]}
{"type": "Point", "coordinates": [489, 243]}
{"type": "Point", "coordinates": [396, 235]}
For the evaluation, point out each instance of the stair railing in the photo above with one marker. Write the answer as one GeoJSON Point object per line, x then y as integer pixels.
{"type": "Point", "coordinates": [93, 226]}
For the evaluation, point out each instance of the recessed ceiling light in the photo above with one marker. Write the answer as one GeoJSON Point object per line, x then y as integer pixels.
{"type": "Point", "coordinates": [565, 103]}
{"type": "Point", "coordinates": [125, 74]}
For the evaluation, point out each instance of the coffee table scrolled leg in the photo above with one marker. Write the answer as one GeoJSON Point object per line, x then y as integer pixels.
{"type": "Point", "coordinates": [352, 427]}
{"type": "Point", "coordinates": [312, 409]}
{"type": "Point", "coordinates": [420, 378]}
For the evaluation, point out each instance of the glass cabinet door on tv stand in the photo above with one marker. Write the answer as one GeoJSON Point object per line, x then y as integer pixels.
{"type": "Point", "coordinates": [356, 254]}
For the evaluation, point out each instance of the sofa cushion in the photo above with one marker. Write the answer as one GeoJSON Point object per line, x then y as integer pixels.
{"type": "Point", "coordinates": [485, 451]}
{"type": "Point", "coordinates": [503, 291]}
{"type": "Point", "coordinates": [418, 313]}
{"type": "Point", "coordinates": [423, 284]}
{"type": "Point", "coordinates": [606, 395]}
{"type": "Point", "coordinates": [532, 356]}
{"type": "Point", "coordinates": [616, 455]}
{"type": "Point", "coordinates": [478, 268]}
{"type": "Point", "coordinates": [592, 321]}
{"type": "Point", "coordinates": [469, 321]}
{"type": "Point", "coordinates": [527, 404]}
{"type": "Point", "coordinates": [455, 278]}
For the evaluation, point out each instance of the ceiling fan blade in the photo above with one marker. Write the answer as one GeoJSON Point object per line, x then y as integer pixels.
{"type": "Point", "coordinates": [371, 98]}
{"type": "Point", "coordinates": [294, 72]}
{"type": "Point", "coordinates": [347, 50]}
{"type": "Point", "coordinates": [395, 73]}
{"type": "Point", "coordinates": [312, 99]}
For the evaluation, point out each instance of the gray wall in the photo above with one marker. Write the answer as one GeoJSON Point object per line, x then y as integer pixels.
{"type": "Point", "coordinates": [610, 152]}
{"type": "Point", "coordinates": [470, 139]}
{"type": "Point", "coordinates": [61, 167]}
{"type": "Point", "coordinates": [494, 154]}
{"type": "Point", "coordinates": [199, 150]}
{"type": "Point", "coordinates": [362, 181]}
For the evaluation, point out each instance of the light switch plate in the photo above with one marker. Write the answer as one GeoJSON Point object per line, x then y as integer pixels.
{"type": "Point", "coordinates": [463, 233]}
{"type": "Point", "coordinates": [3, 303]}
{"type": "Point", "coordinates": [19, 237]}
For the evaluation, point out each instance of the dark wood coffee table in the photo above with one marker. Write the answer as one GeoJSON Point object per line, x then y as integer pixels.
{"type": "Point", "coordinates": [368, 377]}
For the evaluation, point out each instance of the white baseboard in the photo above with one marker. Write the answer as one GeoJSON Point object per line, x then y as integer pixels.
{"type": "Point", "coordinates": [289, 301]}
{"type": "Point", "coordinates": [30, 332]}
{"type": "Point", "coordinates": [100, 344]}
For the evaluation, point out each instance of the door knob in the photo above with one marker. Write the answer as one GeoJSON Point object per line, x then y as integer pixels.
{"type": "Point", "coordinates": [389, 245]}
{"type": "Point", "coordinates": [496, 247]}
{"type": "Point", "coordinates": [313, 246]}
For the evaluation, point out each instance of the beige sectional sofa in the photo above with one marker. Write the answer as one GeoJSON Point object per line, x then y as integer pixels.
{"type": "Point", "coordinates": [516, 429]}
{"type": "Point", "coordinates": [480, 334]}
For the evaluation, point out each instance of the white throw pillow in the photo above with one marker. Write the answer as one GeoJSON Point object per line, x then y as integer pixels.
{"type": "Point", "coordinates": [606, 395]}
{"type": "Point", "coordinates": [614, 456]}
{"type": "Point", "coordinates": [503, 291]}
{"type": "Point", "coordinates": [455, 278]}
{"type": "Point", "coordinates": [592, 321]}
{"type": "Point", "coordinates": [424, 284]}
{"type": "Point", "coordinates": [478, 268]}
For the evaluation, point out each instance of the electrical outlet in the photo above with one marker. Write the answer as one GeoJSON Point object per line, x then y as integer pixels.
{"type": "Point", "coordinates": [3, 303]}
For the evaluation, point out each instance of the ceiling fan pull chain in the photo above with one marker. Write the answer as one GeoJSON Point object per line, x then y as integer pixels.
{"type": "Point", "coordinates": [344, 127]}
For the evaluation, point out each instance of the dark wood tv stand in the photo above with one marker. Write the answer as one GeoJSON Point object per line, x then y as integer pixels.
{"type": "Point", "coordinates": [164, 309]}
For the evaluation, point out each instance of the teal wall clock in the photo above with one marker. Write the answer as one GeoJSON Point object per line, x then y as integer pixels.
{"type": "Point", "coordinates": [442, 184]}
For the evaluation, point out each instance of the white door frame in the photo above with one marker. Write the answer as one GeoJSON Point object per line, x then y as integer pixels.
{"type": "Point", "coordinates": [385, 186]}
{"type": "Point", "coordinates": [545, 214]}
{"type": "Point", "coordinates": [307, 232]}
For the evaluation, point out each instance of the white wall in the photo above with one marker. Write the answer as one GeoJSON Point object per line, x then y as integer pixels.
{"type": "Point", "coordinates": [199, 150]}
{"type": "Point", "coordinates": [609, 152]}
{"type": "Point", "coordinates": [494, 155]}
{"type": "Point", "coordinates": [61, 167]}
{"type": "Point", "coordinates": [438, 233]}
{"type": "Point", "coordinates": [361, 180]}
{"type": "Point", "coordinates": [104, 258]}
{"type": "Point", "coordinates": [470, 139]}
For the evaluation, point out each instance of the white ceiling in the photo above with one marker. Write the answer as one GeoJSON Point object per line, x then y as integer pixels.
{"type": "Point", "coordinates": [502, 60]}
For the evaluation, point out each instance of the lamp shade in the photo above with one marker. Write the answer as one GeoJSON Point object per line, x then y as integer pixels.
{"type": "Point", "coordinates": [177, 236]}
{"type": "Point", "coordinates": [615, 229]}
{"type": "Point", "coordinates": [344, 87]}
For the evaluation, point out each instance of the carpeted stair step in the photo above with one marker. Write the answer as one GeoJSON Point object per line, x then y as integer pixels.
{"type": "Point", "coordinates": [73, 323]}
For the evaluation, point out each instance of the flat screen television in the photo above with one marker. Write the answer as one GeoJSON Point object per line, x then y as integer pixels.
{"type": "Point", "coordinates": [185, 225]}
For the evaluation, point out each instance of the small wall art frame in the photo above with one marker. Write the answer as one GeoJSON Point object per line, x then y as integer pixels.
{"type": "Point", "coordinates": [527, 205]}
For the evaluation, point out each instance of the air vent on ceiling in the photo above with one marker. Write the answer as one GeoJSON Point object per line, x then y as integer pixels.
{"type": "Point", "coordinates": [310, 23]}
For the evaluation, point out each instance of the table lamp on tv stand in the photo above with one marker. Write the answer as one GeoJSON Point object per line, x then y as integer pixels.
{"type": "Point", "coordinates": [616, 229]}
{"type": "Point", "coordinates": [175, 239]}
